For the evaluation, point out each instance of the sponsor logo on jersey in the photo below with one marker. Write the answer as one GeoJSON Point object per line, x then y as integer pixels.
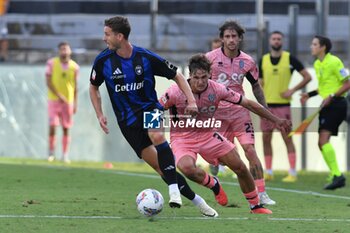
{"type": "Point", "coordinates": [128, 87]}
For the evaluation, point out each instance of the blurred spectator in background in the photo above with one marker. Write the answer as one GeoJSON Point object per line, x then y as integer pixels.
{"type": "Point", "coordinates": [61, 77]}
{"type": "Point", "coordinates": [276, 69]}
{"type": "Point", "coordinates": [3, 30]}
{"type": "Point", "coordinates": [215, 43]}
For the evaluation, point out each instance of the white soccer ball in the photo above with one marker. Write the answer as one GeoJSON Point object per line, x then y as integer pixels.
{"type": "Point", "coordinates": [149, 202]}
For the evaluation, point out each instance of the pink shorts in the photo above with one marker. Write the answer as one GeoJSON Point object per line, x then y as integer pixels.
{"type": "Point", "coordinates": [239, 126]}
{"type": "Point", "coordinates": [60, 112]}
{"type": "Point", "coordinates": [281, 112]}
{"type": "Point", "coordinates": [211, 146]}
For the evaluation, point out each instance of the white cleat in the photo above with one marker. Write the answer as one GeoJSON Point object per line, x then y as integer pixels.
{"type": "Point", "coordinates": [51, 158]}
{"type": "Point", "coordinates": [206, 210]}
{"type": "Point", "coordinates": [175, 199]}
{"type": "Point", "coordinates": [265, 199]}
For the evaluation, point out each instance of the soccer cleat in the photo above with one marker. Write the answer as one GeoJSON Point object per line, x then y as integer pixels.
{"type": "Point", "coordinates": [51, 158]}
{"type": "Point", "coordinates": [213, 169]}
{"type": "Point", "coordinates": [265, 199]}
{"type": "Point", "coordinates": [290, 179]}
{"type": "Point", "coordinates": [337, 182]}
{"type": "Point", "coordinates": [66, 161]}
{"type": "Point", "coordinates": [175, 199]}
{"type": "Point", "coordinates": [268, 177]}
{"type": "Point", "coordinates": [206, 210]}
{"type": "Point", "coordinates": [259, 209]}
{"type": "Point", "coordinates": [221, 197]}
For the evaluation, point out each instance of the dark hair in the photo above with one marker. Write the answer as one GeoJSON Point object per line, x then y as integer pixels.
{"type": "Point", "coordinates": [119, 24]}
{"type": "Point", "coordinates": [324, 41]}
{"type": "Point", "coordinates": [199, 61]}
{"type": "Point", "coordinates": [277, 32]}
{"type": "Point", "coordinates": [62, 43]}
{"type": "Point", "coordinates": [232, 25]}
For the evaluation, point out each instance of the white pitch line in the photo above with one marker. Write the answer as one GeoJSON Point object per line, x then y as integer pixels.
{"type": "Point", "coordinates": [236, 184]}
{"type": "Point", "coordinates": [177, 218]}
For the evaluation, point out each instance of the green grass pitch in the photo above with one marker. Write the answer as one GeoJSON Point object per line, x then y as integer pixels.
{"type": "Point", "coordinates": [84, 197]}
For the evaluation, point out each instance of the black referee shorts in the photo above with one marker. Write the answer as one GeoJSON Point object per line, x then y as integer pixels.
{"type": "Point", "coordinates": [137, 137]}
{"type": "Point", "coordinates": [333, 115]}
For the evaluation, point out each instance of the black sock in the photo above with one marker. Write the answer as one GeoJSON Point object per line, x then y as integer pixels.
{"type": "Point", "coordinates": [166, 162]}
{"type": "Point", "coordinates": [184, 188]}
{"type": "Point", "coordinates": [216, 187]}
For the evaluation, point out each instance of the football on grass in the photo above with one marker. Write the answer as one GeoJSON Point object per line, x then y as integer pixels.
{"type": "Point", "coordinates": [149, 202]}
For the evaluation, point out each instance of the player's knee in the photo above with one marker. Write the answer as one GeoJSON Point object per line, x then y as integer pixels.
{"type": "Point", "coordinates": [157, 137]}
{"type": "Point", "coordinates": [240, 169]}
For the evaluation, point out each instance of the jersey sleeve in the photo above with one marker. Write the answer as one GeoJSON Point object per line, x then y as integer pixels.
{"type": "Point", "coordinates": [296, 64]}
{"type": "Point", "coordinates": [253, 74]}
{"type": "Point", "coordinates": [96, 75]}
{"type": "Point", "coordinates": [161, 67]}
{"type": "Point", "coordinates": [167, 100]}
{"type": "Point", "coordinates": [229, 95]}
{"type": "Point", "coordinates": [340, 71]}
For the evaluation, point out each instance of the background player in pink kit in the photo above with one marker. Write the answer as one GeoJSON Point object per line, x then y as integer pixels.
{"type": "Point", "coordinates": [211, 145]}
{"type": "Point", "coordinates": [61, 78]}
{"type": "Point", "coordinates": [230, 66]}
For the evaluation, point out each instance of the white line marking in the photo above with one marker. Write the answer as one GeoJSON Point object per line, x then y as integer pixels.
{"type": "Point", "coordinates": [178, 218]}
{"type": "Point", "coordinates": [236, 184]}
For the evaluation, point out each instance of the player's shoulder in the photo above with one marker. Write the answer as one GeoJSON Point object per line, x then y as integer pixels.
{"type": "Point", "coordinates": [245, 56]}
{"type": "Point", "coordinates": [211, 55]}
{"type": "Point", "coordinates": [333, 59]}
{"type": "Point", "coordinates": [144, 52]}
{"type": "Point", "coordinates": [105, 54]}
{"type": "Point", "coordinates": [215, 85]}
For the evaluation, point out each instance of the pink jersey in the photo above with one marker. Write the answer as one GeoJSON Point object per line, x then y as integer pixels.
{"type": "Point", "coordinates": [207, 103]}
{"type": "Point", "coordinates": [232, 71]}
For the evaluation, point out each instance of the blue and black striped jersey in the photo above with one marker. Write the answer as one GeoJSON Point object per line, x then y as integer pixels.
{"type": "Point", "coordinates": [130, 82]}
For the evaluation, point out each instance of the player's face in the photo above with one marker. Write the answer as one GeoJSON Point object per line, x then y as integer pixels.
{"type": "Point", "coordinates": [64, 52]}
{"type": "Point", "coordinates": [112, 39]}
{"type": "Point", "coordinates": [231, 40]}
{"type": "Point", "coordinates": [315, 47]}
{"type": "Point", "coordinates": [199, 80]}
{"type": "Point", "coordinates": [276, 41]}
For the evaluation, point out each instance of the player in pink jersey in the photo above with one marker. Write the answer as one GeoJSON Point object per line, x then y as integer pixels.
{"type": "Point", "coordinates": [191, 136]}
{"type": "Point", "coordinates": [230, 66]}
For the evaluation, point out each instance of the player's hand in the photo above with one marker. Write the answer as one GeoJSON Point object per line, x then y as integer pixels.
{"type": "Point", "coordinates": [303, 98]}
{"type": "Point", "coordinates": [191, 109]}
{"type": "Point", "coordinates": [62, 99]}
{"type": "Point", "coordinates": [287, 94]}
{"type": "Point", "coordinates": [326, 102]}
{"type": "Point", "coordinates": [103, 123]}
{"type": "Point", "coordinates": [284, 125]}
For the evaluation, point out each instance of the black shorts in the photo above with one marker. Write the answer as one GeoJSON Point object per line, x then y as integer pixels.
{"type": "Point", "coordinates": [137, 137]}
{"type": "Point", "coordinates": [333, 115]}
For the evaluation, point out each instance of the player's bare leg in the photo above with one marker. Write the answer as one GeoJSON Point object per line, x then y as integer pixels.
{"type": "Point", "coordinates": [246, 182]}
{"type": "Point", "coordinates": [257, 172]}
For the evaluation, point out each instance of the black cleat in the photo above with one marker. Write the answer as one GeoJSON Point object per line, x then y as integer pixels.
{"type": "Point", "coordinates": [337, 182]}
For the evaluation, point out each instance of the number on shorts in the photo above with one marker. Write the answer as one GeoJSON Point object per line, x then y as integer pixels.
{"type": "Point", "coordinates": [249, 127]}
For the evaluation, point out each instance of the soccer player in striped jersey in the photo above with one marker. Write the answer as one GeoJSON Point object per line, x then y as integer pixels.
{"type": "Point", "coordinates": [128, 72]}
{"type": "Point", "coordinates": [333, 84]}
{"type": "Point", "coordinates": [230, 66]}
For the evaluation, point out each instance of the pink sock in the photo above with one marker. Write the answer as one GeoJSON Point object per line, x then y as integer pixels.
{"type": "Point", "coordinates": [52, 142]}
{"type": "Point", "coordinates": [292, 160]}
{"type": "Point", "coordinates": [260, 184]}
{"type": "Point", "coordinates": [268, 162]}
{"type": "Point", "coordinates": [65, 144]}
{"type": "Point", "coordinates": [252, 197]}
{"type": "Point", "coordinates": [208, 181]}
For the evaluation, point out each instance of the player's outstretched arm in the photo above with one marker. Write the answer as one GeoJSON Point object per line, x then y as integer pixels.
{"type": "Point", "coordinates": [283, 124]}
{"type": "Point", "coordinates": [191, 107]}
{"type": "Point", "coordinates": [97, 104]}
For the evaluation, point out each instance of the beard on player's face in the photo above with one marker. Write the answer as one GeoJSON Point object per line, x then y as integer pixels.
{"type": "Point", "coordinates": [276, 47]}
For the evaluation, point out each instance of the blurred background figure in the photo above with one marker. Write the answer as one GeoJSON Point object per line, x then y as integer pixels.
{"type": "Point", "coordinates": [215, 43]}
{"type": "Point", "coordinates": [3, 30]}
{"type": "Point", "coordinates": [61, 77]}
{"type": "Point", "coordinates": [276, 69]}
